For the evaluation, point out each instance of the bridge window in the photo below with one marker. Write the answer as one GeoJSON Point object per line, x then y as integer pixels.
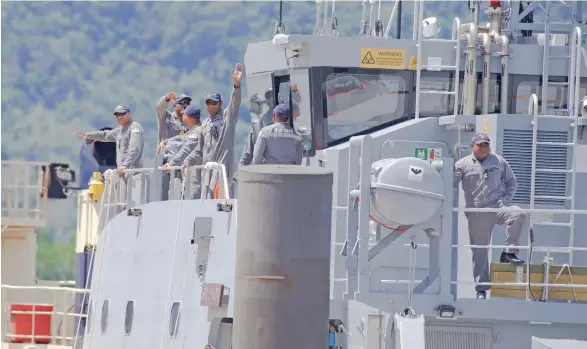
{"type": "Point", "coordinates": [128, 317]}
{"type": "Point", "coordinates": [104, 318]}
{"type": "Point", "coordinates": [174, 320]}
{"type": "Point", "coordinates": [436, 104]}
{"type": "Point", "coordinates": [525, 86]}
{"type": "Point", "coordinates": [358, 100]}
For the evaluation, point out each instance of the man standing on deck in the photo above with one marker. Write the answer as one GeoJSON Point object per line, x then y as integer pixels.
{"type": "Point", "coordinates": [191, 118]}
{"type": "Point", "coordinates": [218, 134]}
{"type": "Point", "coordinates": [488, 182]}
{"type": "Point", "coordinates": [129, 138]}
{"type": "Point", "coordinates": [278, 143]}
{"type": "Point", "coordinates": [256, 110]}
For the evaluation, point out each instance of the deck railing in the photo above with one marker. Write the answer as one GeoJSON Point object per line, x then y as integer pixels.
{"type": "Point", "coordinates": [64, 318]}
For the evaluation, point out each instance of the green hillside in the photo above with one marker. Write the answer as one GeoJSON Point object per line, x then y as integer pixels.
{"type": "Point", "coordinates": [65, 65]}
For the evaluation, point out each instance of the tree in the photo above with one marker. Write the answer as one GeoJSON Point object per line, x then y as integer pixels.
{"type": "Point", "coordinates": [54, 261]}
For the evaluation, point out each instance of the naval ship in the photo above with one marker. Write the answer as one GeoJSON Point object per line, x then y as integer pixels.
{"type": "Point", "coordinates": [372, 108]}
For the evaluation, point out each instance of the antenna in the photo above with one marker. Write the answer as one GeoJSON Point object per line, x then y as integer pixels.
{"type": "Point", "coordinates": [279, 27]}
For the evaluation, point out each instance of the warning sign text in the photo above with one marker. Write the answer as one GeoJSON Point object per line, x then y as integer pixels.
{"type": "Point", "coordinates": [378, 58]}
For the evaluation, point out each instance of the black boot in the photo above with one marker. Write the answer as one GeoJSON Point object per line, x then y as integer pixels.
{"type": "Point", "coordinates": [481, 295]}
{"type": "Point", "coordinates": [510, 258]}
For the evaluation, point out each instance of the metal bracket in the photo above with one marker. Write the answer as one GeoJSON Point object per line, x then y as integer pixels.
{"type": "Point", "coordinates": [135, 212]}
{"type": "Point", "coordinates": [224, 207]}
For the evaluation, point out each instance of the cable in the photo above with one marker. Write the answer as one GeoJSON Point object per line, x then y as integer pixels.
{"type": "Point", "coordinates": [531, 232]}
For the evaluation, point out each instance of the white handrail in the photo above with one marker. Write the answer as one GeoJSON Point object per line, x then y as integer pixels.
{"type": "Point", "coordinates": [206, 166]}
{"type": "Point", "coordinates": [59, 312]}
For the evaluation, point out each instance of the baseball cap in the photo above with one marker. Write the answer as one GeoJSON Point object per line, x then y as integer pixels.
{"type": "Point", "coordinates": [214, 97]}
{"type": "Point", "coordinates": [183, 99]}
{"type": "Point", "coordinates": [192, 111]}
{"type": "Point", "coordinates": [281, 110]}
{"type": "Point", "coordinates": [481, 138]}
{"type": "Point", "coordinates": [256, 98]}
{"type": "Point", "coordinates": [121, 109]}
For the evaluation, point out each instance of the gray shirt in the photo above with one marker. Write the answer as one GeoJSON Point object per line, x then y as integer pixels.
{"type": "Point", "coordinates": [490, 183]}
{"type": "Point", "coordinates": [278, 144]}
{"type": "Point", "coordinates": [191, 141]}
{"type": "Point", "coordinates": [217, 143]}
{"type": "Point", "coordinates": [173, 145]}
{"type": "Point", "coordinates": [248, 149]}
{"type": "Point", "coordinates": [129, 143]}
{"type": "Point", "coordinates": [169, 125]}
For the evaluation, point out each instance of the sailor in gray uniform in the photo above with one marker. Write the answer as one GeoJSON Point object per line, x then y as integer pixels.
{"type": "Point", "coordinates": [256, 110]}
{"type": "Point", "coordinates": [192, 139]}
{"type": "Point", "coordinates": [278, 143]}
{"type": "Point", "coordinates": [488, 181]}
{"type": "Point", "coordinates": [171, 124]}
{"type": "Point", "coordinates": [129, 138]}
{"type": "Point", "coordinates": [218, 133]}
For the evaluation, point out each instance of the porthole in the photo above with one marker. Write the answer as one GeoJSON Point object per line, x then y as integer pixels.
{"type": "Point", "coordinates": [104, 318]}
{"type": "Point", "coordinates": [174, 320]}
{"type": "Point", "coordinates": [128, 317]}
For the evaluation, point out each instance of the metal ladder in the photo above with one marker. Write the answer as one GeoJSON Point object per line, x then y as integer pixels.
{"type": "Point", "coordinates": [546, 59]}
{"type": "Point", "coordinates": [456, 40]}
{"type": "Point", "coordinates": [573, 117]}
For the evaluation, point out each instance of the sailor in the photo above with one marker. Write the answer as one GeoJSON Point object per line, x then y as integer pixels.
{"type": "Point", "coordinates": [270, 101]}
{"type": "Point", "coordinates": [129, 138]}
{"type": "Point", "coordinates": [191, 118]}
{"type": "Point", "coordinates": [488, 182]}
{"type": "Point", "coordinates": [278, 143]}
{"type": "Point", "coordinates": [218, 133]}
{"type": "Point", "coordinates": [170, 124]}
{"type": "Point", "coordinates": [256, 110]}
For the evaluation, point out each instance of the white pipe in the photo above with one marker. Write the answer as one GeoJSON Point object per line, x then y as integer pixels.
{"type": "Point", "coordinates": [486, 72]}
{"type": "Point", "coordinates": [470, 69]}
{"type": "Point", "coordinates": [318, 9]}
{"type": "Point", "coordinates": [372, 18]}
{"type": "Point", "coordinates": [576, 40]}
{"type": "Point", "coordinates": [324, 24]}
{"type": "Point", "coordinates": [361, 30]}
{"type": "Point", "coordinates": [495, 34]}
{"type": "Point", "coordinates": [505, 54]}
{"type": "Point", "coordinates": [388, 29]}
{"type": "Point", "coordinates": [416, 25]}
{"type": "Point", "coordinates": [334, 31]}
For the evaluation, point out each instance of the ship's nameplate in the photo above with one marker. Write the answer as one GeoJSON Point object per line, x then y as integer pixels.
{"type": "Point", "coordinates": [211, 295]}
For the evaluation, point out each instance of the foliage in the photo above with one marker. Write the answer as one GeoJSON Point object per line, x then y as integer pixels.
{"type": "Point", "coordinates": [55, 261]}
{"type": "Point", "coordinates": [67, 64]}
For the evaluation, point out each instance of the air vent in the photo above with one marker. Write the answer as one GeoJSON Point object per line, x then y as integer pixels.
{"type": "Point", "coordinates": [517, 150]}
{"type": "Point", "coordinates": [455, 337]}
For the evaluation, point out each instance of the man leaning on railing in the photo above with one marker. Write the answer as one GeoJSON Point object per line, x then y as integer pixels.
{"type": "Point", "coordinates": [129, 139]}
{"type": "Point", "coordinates": [488, 182]}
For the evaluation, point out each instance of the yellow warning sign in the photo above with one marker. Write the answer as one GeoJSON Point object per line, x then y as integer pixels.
{"type": "Point", "coordinates": [413, 65]}
{"type": "Point", "coordinates": [383, 58]}
{"type": "Point", "coordinates": [486, 126]}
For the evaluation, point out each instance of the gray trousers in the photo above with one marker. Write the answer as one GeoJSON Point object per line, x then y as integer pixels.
{"type": "Point", "coordinates": [480, 227]}
{"type": "Point", "coordinates": [194, 185]}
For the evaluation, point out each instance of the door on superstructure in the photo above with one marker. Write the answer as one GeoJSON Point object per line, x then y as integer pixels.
{"type": "Point", "coordinates": [293, 87]}
{"type": "Point", "coordinates": [224, 334]}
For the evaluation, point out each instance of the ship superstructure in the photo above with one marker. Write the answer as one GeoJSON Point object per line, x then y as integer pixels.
{"type": "Point", "coordinates": [373, 108]}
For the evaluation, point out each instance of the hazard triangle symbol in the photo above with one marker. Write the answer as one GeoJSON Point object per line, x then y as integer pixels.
{"type": "Point", "coordinates": [368, 59]}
